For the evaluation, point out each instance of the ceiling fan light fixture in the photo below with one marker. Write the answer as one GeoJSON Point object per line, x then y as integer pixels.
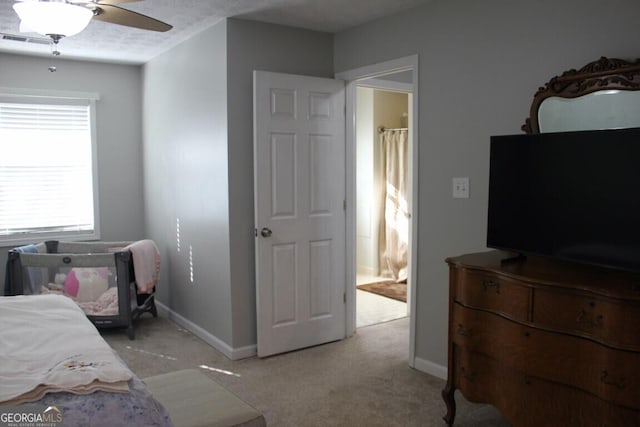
{"type": "Point", "coordinates": [52, 18]}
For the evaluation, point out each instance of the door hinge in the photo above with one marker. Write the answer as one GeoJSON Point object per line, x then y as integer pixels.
{"type": "Point", "coordinates": [344, 297]}
{"type": "Point", "coordinates": [344, 204]}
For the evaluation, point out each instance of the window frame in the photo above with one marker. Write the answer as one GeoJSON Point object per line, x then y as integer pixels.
{"type": "Point", "coordinates": [36, 96]}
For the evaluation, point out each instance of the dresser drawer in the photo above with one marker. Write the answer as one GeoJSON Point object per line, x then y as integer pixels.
{"type": "Point", "coordinates": [607, 321]}
{"type": "Point", "coordinates": [493, 293]}
{"type": "Point", "coordinates": [486, 333]}
{"type": "Point", "coordinates": [572, 361]}
{"type": "Point", "coordinates": [529, 401]}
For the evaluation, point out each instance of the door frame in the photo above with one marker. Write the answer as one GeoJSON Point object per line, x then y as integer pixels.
{"type": "Point", "coordinates": [352, 79]}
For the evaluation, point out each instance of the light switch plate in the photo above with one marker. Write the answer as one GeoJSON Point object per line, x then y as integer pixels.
{"type": "Point", "coordinates": [461, 187]}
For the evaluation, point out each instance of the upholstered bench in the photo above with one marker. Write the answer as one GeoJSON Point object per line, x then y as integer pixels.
{"type": "Point", "coordinates": [194, 400]}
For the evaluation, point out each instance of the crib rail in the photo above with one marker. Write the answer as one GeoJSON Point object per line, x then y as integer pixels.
{"type": "Point", "coordinates": [68, 260]}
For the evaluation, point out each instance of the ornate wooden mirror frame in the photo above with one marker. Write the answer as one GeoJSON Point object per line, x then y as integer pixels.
{"type": "Point", "coordinates": [605, 74]}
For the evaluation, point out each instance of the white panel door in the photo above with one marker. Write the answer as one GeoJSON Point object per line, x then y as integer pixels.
{"type": "Point", "coordinates": [299, 171]}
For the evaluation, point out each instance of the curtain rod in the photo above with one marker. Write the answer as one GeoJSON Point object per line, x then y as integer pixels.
{"type": "Point", "coordinates": [382, 129]}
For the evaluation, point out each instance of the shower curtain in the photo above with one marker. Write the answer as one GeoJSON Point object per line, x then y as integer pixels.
{"type": "Point", "coordinates": [394, 223]}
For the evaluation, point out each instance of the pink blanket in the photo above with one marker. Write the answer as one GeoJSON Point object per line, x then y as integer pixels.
{"type": "Point", "coordinates": [146, 264]}
{"type": "Point", "coordinates": [105, 305]}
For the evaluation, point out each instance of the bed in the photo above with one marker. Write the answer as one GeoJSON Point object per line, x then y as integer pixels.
{"type": "Point", "coordinates": [113, 282]}
{"type": "Point", "coordinates": [52, 358]}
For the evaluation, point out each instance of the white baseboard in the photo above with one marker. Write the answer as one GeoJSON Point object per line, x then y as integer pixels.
{"type": "Point", "coordinates": [212, 340]}
{"type": "Point", "coordinates": [431, 368]}
{"type": "Point", "coordinates": [367, 271]}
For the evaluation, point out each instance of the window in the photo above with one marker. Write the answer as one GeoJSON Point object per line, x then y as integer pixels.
{"type": "Point", "coordinates": [48, 184]}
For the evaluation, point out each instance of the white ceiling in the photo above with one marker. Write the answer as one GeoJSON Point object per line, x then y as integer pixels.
{"type": "Point", "coordinates": [114, 43]}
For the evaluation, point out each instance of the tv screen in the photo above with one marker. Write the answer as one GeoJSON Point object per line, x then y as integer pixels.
{"type": "Point", "coordinates": [570, 195]}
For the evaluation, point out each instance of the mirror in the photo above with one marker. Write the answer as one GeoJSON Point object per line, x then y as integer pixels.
{"type": "Point", "coordinates": [604, 94]}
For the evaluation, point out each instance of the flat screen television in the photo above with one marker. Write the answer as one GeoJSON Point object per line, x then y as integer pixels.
{"type": "Point", "coordinates": [573, 196]}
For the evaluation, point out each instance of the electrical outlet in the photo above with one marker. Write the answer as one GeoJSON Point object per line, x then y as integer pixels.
{"type": "Point", "coordinates": [461, 187]}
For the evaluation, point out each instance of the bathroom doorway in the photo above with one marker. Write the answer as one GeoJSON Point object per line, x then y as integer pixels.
{"type": "Point", "coordinates": [382, 147]}
{"type": "Point", "coordinates": [400, 75]}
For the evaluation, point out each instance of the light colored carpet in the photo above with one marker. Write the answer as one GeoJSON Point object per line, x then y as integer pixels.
{"type": "Point", "coordinates": [360, 381]}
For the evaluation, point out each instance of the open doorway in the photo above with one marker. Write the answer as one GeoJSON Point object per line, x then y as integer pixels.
{"type": "Point", "coordinates": [399, 75]}
{"type": "Point", "coordinates": [382, 199]}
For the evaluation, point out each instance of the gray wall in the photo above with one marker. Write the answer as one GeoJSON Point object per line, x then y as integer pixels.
{"type": "Point", "coordinates": [480, 64]}
{"type": "Point", "coordinates": [118, 115]}
{"type": "Point", "coordinates": [186, 178]}
{"type": "Point", "coordinates": [198, 163]}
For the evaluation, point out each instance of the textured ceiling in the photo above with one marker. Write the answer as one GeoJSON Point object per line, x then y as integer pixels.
{"type": "Point", "coordinates": [114, 43]}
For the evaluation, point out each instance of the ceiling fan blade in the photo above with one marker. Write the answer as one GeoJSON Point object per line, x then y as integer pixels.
{"type": "Point", "coordinates": [117, 15]}
{"type": "Point", "coordinates": [99, 2]}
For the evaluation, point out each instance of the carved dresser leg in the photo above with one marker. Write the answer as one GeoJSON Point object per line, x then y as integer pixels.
{"type": "Point", "coordinates": [449, 400]}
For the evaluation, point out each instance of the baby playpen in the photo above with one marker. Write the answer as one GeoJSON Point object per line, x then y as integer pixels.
{"type": "Point", "coordinates": [99, 276]}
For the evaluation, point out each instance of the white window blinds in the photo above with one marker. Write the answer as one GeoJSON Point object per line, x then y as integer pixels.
{"type": "Point", "coordinates": [46, 169]}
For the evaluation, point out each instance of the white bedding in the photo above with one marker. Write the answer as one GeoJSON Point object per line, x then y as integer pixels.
{"type": "Point", "coordinates": [47, 344]}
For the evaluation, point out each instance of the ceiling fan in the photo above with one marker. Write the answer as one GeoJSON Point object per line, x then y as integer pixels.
{"type": "Point", "coordinates": [63, 18]}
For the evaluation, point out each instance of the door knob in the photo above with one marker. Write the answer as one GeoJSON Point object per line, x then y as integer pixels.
{"type": "Point", "coordinates": [266, 232]}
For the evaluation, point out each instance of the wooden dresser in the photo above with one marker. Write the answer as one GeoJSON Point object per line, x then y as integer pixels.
{"type": "Point", "coordinates": [547, 343]}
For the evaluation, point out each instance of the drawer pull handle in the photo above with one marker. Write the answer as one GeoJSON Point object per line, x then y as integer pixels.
{"type": "Point", "coordinates": [619, 383]}
{"type": "Point", "coordinates": [592, 322]}
{"type": "Point", "coordinates": [464, 331]}
{"type": "Point", "coordinates": [488, 284]}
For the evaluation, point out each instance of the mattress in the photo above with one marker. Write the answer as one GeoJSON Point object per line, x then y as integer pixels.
{"type": "Point", "coordinates": [52, 358]}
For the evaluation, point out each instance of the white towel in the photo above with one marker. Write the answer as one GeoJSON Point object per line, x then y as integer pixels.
{"type": "Point", "coordinates": [47, 344]}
